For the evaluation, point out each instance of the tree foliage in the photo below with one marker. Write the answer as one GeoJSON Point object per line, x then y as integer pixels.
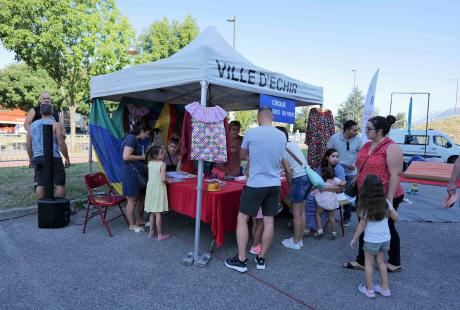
{"type": "Point", "coordinates": [246, 118]}
{"type": "Point", "coordinates": [351, 109]}
{"type": "Point", "coordinates": [163, 38]}
{"type": "Point", "coordinates": [20, 87]}
{"type": "Point", "coordinates": [400, 120]}
{"type": "Point", "coordinates": [72, 40]}
{"type": "Point", "coordinates": [301, 117]}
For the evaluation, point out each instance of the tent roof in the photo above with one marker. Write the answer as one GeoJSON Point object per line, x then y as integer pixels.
{"type": "Point", "coordinates": [235, 83]}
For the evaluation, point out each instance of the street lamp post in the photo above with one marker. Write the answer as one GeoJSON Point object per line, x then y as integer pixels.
{"type": "Point", "coordinates": [354, 92]}
{"type": "Point", "coordinates": [456, 96]}
{"type": "Point", "coordinates": [233, 20]}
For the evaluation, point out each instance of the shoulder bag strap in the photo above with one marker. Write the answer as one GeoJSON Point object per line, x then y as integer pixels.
{"type": "Point", "coordinates": [295, 157]}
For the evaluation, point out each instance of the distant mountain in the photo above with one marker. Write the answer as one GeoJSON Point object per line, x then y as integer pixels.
{"type": "Point", "coordinates": [437, 115]}
{"type": "Point", "coordinates": [449, 125]}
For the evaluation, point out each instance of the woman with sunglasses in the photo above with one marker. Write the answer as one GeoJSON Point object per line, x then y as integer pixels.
{"type": "Point", "coordinates": [382, 157]}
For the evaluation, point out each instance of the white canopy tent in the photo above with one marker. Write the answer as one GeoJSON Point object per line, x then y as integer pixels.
{"type": "Point", "coordinates": [211, 71]}
{"type": "Point", "coordinates": [236, 83]}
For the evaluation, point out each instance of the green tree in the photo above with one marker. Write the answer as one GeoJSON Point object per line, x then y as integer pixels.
{"type": "Point", "coordinates": [351, 109]}
{"type": "Point", "coordinates": [163, 38]}
{"type": "Point", "coordinates": [72, 40]}
{"type": "Point", "coordinates": [20, 86]}
{"type": "Point", "coordinates": [246, 118]}
{"type": "Point", "coordinates": [301, 117]}
{"type": "Point", "coordinates": [400, 120]}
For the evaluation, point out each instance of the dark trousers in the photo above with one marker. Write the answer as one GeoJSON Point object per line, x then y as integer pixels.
{"type": "Point", "coordinates": [394, 257]}
{"type": "Point", "coordinates": [347, 208]}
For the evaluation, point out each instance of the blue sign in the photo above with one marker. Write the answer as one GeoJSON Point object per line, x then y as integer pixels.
{"type": "Point", "coordinates": [283, 109]}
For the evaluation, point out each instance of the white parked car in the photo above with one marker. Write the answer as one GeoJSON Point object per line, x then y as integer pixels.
{"type": "Point", "coordinates": [437, 144]}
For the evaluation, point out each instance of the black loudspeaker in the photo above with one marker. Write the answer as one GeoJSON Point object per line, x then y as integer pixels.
{"type": "Point", "coordinates": [53, 213]}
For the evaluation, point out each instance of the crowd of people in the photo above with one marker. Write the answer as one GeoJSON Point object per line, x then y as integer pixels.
{"type": "Point", "coordinates": [372, 169]}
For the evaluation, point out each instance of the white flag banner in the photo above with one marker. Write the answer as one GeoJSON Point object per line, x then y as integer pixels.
{"type": "Point", "coordinates": [369, 105]}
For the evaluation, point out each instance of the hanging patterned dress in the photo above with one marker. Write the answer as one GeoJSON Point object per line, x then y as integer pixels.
{"type": "Point", "coordinates": [320, 127]}
{"type": "Point", "coordinates": [204, 134]}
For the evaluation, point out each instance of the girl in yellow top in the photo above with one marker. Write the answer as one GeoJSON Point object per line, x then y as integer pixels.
{"type": "Point", "coordinates": [156, 198]}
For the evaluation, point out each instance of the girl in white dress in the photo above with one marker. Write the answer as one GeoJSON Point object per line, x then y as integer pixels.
{"type": "Point", "coordinates": [156, 197]}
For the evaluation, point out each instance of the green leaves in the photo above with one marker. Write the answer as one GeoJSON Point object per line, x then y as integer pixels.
{"type": "Point", "coordinates": [351, 109]}
{"type": "Point", "coordinates": [72, 40]}
{"type": "Point", "coordinates": [20, 87]}
{"type": "Point", "coordinates": [163, 38]}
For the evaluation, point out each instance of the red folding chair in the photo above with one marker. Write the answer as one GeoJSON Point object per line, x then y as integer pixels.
{"type": "Point", "coordinates": [101, 203]}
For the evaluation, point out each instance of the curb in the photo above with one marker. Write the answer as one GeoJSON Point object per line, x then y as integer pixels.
{"type": "Point", "coordinates": [18, 212]}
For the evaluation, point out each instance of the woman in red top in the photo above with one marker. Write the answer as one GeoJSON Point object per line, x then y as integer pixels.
{"type": "Point", "coordinates": [381, 156]}
{"type": "Point", "coordinates": [233, 166]}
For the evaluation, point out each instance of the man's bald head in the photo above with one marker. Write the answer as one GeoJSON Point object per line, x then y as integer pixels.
{"type": "Point", "coordinates": [45, 98]}
{"type": "Point", "coordinates": [265, 116]}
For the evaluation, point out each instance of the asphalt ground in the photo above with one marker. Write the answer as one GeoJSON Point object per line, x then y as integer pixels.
{"type": "Point", "coordinates": [65, 269]}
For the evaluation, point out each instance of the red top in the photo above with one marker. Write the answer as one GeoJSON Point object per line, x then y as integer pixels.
{"type": "Point", "coordinates": [376, 164]}
{"type": "Point", "coordinates": [233, 165]}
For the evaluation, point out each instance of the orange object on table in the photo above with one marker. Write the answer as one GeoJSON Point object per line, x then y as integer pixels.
{"type": "Point", "coordinates": [220, 209]}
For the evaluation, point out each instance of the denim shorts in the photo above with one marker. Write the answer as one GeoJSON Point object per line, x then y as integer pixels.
{"type": "Point", "coordinates": [299, 189]}
{"type": "Point", "coordinates": [376, 248]}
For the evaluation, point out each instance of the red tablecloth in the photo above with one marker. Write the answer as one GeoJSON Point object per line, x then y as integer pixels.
{"type": "Point", "coordinates": [220, 209]}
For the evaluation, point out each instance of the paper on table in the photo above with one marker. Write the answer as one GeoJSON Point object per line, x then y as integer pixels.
{"type": "Point", "coordinates": [177, 175]}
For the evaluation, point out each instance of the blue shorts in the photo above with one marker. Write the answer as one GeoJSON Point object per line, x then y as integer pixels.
{"type": "Point", "coordinates": [376, 248]}
{"type": "Point", "coordinates": [300, 188]}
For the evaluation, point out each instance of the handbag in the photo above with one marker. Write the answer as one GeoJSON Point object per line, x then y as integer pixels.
{"type": "Point", "coordinates": [351, 189]}
{"type": "Point", "coordinates": [315, 179]}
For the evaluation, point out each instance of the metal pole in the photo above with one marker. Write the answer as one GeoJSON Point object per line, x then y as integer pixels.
{"type": "Point", "coordinates": [426, 124]}
{"type": "Point", "coordinates": [391, 102]}
{"type": "Point", "coordinates": [199, 188]}
{"type": "Point", "coordinates": [90, 155]}
{"type": "Point", "coordinates": [90, 147]}
{"type": "Point", "coordinates": [354, 93]}
{"type": "Point", "coordinates": [234, 31]}
{"type": "Point", "coordinates": [456, 97]}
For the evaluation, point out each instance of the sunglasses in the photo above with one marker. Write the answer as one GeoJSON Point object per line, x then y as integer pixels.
{"type": "Point", "coordinates": [348, 145]}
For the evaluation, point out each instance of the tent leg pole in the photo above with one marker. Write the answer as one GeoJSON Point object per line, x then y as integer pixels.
{"type": "Point", "coordinates": [90, 156]}
{"type": "Point", "coordinates": [195, 257]}
{"type": "Point", "coordinates": [90, 149]}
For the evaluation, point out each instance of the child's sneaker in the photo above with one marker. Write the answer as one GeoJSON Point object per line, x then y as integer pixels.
{"type": "Point", "coordinates": [381, 291]}
{"type": "Point", "coordinates": [289, 243]}
{"type": "Point", "coordinates": [363, 289]}
{"type": "Point", "coordinates": [333, 235]}
{"type": "Point", "coordinates": [260, 263]}
{"type": "Point", "coordinates": [256, 250]}
{"type": "Point", "coordinates": [235, 264]}
{"type": "Point", "coordinates": [319, 233]}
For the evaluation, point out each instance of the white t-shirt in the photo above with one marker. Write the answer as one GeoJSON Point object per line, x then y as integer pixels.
{"type": "Point", "coordinates": [377, 232]}
{"type": "Point", "coordinates": [266, 146]}
{"type": "Point", "coordinates": [296, 169]}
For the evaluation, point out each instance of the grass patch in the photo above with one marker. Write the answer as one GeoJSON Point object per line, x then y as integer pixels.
{"type": "Point", "coordinates": [18, 184]}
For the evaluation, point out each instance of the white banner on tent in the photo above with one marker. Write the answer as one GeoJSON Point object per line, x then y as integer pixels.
{"type": "Point", "coordinates": [369, 105]}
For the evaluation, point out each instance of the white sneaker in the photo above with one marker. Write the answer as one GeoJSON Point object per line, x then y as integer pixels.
{"type": "Point", "coordinates": [290, 244]}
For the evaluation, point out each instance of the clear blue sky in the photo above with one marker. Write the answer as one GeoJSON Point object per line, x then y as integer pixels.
{"type": "Point", "coordinates": [416, 44]}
